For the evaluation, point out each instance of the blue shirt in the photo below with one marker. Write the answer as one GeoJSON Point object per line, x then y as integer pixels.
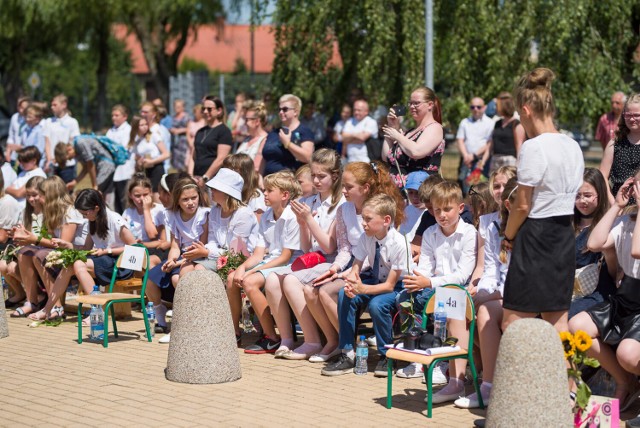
{"type": "Point", "coordinates": [34, 137]}
{"type": "Point", "coordinates": [276, 157]}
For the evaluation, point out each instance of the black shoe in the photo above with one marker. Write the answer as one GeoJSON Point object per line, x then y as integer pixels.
{"type": "Point", "coordinates": [381, 368]}
{"type": "Point", "coordinates": [343, 365]}
{"type": "Point", "coordinates": [264, 345]}
{"type": "Point", "coordinates": [161, 329]}
{"type": "Point", "coordinates": [238, 339]}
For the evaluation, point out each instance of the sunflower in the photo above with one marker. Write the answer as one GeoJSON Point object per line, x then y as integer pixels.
{"type": "Point", "coordinates": [568, 344]}
{"type": "Point", "coordinates": [582, 341]}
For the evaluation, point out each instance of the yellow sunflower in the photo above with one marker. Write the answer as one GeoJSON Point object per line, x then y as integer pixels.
{"type": "Point", "coordinates": [568, 344]}
{"type": "Point", "coordinates": [582, 341]}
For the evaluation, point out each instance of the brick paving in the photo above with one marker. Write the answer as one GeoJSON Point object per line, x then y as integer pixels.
{"type": "Point", "coordinates": [47, 378]}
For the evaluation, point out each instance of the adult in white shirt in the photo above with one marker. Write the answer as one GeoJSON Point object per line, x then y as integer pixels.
{"type": "Point", "coordinates": [120, 132]}
{"type": "Point", "coordinates": [16, 126]}
{"type": "Point", "coordinates": [540, 227]}
{"type": "Point", "coordinates": [357, 131]}
{"type": "Point", "coordinates": [61, 128]}
{"type": "Point", "coordinates": [472, 139]}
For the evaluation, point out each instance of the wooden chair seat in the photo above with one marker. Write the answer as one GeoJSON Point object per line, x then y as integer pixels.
{"type": "Point", "coordinates": [412, 357]}
{"type": "Point", "coordinates": [104, 298]}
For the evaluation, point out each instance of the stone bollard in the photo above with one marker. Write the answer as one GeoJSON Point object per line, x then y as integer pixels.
{"type": "Point", "coordinates": [203, 345]}
{"type": "Point", "coordinates": [530, 387]}
{"type": "Point", "coordinates": [4, 326]}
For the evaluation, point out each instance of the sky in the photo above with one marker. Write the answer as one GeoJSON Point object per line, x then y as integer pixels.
{"type": "Point", "coordinates": [244, 15]}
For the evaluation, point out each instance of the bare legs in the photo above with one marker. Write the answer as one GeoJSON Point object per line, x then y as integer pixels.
{"type": "Point", "coordinates": [323, 304]}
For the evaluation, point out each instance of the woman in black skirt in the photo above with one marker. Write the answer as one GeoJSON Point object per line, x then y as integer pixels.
{"type": "Point", "coordinates": [616, 321]}
{"type": "Point", "coordinates": [540, 230]}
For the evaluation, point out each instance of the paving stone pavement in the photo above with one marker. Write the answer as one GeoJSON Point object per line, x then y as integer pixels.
{"type": "Point", "coordinates": [47, 378]}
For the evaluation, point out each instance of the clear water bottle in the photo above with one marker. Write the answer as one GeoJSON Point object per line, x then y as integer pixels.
{"type": "Point", "coordinates": [440, 322]}
{"type": "Point", "coordinates": [151, 316]}
{"type": "Point", "coordinates": [362, 354]}
{"type": "Point", "coordinates": [97, 323]}
{"type": "Point", "coordinates": [246, 317]}
{"type": "Point", "coordinates": [136, 232]}
{"type": "Point", "coordinates": [96, 290]}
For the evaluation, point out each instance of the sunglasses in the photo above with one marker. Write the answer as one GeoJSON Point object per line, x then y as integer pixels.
{"type": "Point", "coordinates": [285, 109]}
{"type": "Point", "coordinates": [473, 191]}
{"type": "Point", "coordinates": [250, 118]}
{"type": "Point", "coordinates": [475, 107]}
{"type": "Point", "coordinates": [207, 109]}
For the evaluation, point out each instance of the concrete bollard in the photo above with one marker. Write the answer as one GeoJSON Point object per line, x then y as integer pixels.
{"type": "Point", "coordinates": [203, 346]}
{"type": "Point", "coordinates": [530, 387]}
{"type": "Point", "coordinates": [4, 326]}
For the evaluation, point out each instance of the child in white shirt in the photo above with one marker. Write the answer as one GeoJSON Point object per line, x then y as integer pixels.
{"type": "Point", "coordinates": [29, 159]}
{"type": "Point", "coordinates": [279, 235]}
{"type": "Point", "coordinates": [414, 209]}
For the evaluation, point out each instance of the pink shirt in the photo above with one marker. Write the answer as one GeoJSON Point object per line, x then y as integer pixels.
{"type": "Point", "coordinates": [607, 127]}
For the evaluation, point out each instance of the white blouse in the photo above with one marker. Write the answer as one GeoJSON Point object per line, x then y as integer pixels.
{"type": "Point", "coordinates": [115, 223]}
{"type": "Point", "coordinates": [187, 232]}
{"type": "Point", "coordinates": [321, 214]}
{"type": "Point", "coordinates": [241, 225]}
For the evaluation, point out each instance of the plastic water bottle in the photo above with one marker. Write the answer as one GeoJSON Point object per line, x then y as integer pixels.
{"type": "Point", "coordinates": [96, 290]}
{"type": "Point", "coordinates": [97, 322]}
{"type": "Point", "coordinates": [246, 317]}
{"type": "Point", "coordinates": [136, 232]}
{"type": "Point", "coordinates": [362, 354]}
{"type": "Point", "coordinates": [440, 322]}
{"type": "Point", "coordinates": [5, 289]}
{"type": "Point", "coordinates": [151, 316]}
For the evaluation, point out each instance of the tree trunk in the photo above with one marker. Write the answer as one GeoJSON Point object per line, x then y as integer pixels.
{"type": "Point", "coordinates": [102, 44]}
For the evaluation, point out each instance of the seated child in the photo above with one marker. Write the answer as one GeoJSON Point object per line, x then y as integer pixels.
{"type": "Point", "coordinates": [414, 209]}
{"type": "Point", "coordinates": [388, 253]}
{"type": "Point", "coordinates": [447, 256]}
{"type": "Point", "coordinates": [29, 159]}
{"type": "Point", "coordinates": [278, 243]}
{"type": "Point", "coordinates": [65, 168]}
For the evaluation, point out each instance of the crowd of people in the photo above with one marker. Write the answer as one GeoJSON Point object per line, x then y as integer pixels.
{"type": "Point", "coordinates": [329, 231]}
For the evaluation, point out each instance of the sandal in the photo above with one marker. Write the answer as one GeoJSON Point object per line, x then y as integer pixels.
{"type": "Point", "coordinates": [57, 312]}
{"type": "Point", "coordinates": [38, 316]}
{"type": "Point", "coordinates": [21, 312]}
{"type": "Point", "coordinates": [9, 304]}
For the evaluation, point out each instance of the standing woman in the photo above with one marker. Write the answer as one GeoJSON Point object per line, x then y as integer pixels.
{"type": "Point", "coordinates": [192, 128]}
{"type": "Point", "coordinates": [255, 118]}
{"type": "Point", "coordinates": [292, 145]}
{"type": "Point", "coordinates": [507, 136]}
{"type": "Point", "coordinates": [150, 151]}
{"type": "Point", "coordinates": [213, 142]}
{"type": "Point", "coordinates": [420, 148]}
{"type": "Point", "coordinates": [621, 158]}
{"type": "Point", "coordinates": [180, 146]}
{"type": "Point", "coordinates": [540, 229]}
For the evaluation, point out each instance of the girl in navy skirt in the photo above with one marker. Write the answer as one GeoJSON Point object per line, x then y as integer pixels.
{"type": "Point", "coordinates": [616, 321]}
{"type": "Point", "coordinates": [108, 234]}
{"type": "Point", "coordinates": [540, 228]}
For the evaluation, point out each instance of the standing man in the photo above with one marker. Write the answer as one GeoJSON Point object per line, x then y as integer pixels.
{"type": "Point", "coordinates": [357, 130]}
{"type": "Point", "coordinates": [608, 123]}
{"type": "Point", "coordinates": [61, 128]}
{"type": "Point", "coordinates": [16, 127]}
{"type": "Point", "coordinates": [473, 134]}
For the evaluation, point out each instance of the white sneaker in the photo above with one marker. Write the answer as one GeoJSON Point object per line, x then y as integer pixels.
{"type": "Point", "coordinates": [371, 341]}
{"type": "Point", "coordinates": [413, 370]}
{"type": "Point", "coordinates": [439, 374]}
{"type": "Point", "coordinates": [169, 313]}
{"type": "Point", "coordinates": [470, 402]}
{"type": "Point", "coordinates": [165, 339]}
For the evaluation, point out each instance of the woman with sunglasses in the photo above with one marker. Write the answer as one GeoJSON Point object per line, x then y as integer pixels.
{"type": "Point", "coordinates": [292, 145]}
{"type": "Point", "coordinates": [213, 142]}
{"type": "Point", "coordinates": [255, 118]}
{"type": "Point", "coordinates": [622, 155]}
{"type": "Point", "coordinates": [420, 148]}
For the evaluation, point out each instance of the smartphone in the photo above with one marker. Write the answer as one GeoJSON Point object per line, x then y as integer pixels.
{"type": "Point", "coordinates": [285, 130]}
{"type": "Point", "coordinates": [399, 109]}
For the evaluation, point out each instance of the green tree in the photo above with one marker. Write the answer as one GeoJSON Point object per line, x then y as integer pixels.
{"type": "Point", "coordinates": [163, 28]}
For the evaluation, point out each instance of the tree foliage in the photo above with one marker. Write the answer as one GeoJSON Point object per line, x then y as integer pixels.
{"type": "Point", "coordinates": [481, 47]}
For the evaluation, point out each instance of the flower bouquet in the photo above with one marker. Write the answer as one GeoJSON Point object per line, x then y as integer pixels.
{"type": "Point", "coordinates": [228, 262]}
{"type": "Point", "coordinates": [475, 177]}
{"type": "Point", "coordinates": [575, 352]}
{"type": "Point", "coordinates": [65, 258]}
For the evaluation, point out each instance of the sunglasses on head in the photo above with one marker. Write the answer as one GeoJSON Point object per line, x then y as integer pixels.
{"type": "Point", "coordinates": [475, 107]}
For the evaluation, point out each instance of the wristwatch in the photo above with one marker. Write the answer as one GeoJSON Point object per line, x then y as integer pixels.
{"type": "Point", "coordinates": [109, 251]}
{"type": "Point", "coordinates": [205, 179]}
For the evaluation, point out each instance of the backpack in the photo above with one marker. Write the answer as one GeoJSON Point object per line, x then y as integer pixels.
{"type": "Point", "coordinates": [119, 154]}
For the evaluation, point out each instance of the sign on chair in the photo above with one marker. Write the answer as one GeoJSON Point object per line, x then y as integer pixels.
{"type": "Point", "coordinates": [455, 302]}
{"type": "Point", "coordinates": [132, 258]}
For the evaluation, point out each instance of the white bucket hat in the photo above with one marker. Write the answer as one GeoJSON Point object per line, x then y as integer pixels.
{"type": "Point", "coordinates": [229, 182]}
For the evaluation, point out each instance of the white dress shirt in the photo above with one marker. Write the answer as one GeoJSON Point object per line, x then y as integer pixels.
{"type": "Point", "coordinates": [394, 253]}
{"type": "Point", "coordinates": [448, 259]}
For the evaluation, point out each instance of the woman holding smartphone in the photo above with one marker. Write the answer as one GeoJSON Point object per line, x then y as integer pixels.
{"type": "Point", "coordinates": [292, 145]}
{"type": "Point", "coordinates": [420, 148]}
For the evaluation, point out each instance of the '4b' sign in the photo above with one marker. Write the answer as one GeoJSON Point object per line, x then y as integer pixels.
{"type": "Point", "coordinates": [132, 258]}
{"type": "Point", "coordinates": [455, 302]}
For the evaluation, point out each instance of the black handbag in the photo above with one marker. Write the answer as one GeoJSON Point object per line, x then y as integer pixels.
{"type": "Point", "coordinates": [374, 149]}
